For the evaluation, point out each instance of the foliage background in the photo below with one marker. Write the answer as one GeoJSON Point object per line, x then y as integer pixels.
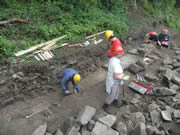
{"type": "Point", "coordinates": [76, 18]}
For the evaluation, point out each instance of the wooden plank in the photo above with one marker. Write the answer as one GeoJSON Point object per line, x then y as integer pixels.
{"type": "Point", "coordinates": [51, 53]}
{"type": "Point", "coordinates": [51, 48]}
{"type": "Point", "coordinates": [57, 46]}
{"type": "Point", "coordinates": [51, 42]}
{"type": "Point", "coordinates": [41, 56]}
{"type": "Point", "coordinates": [75, 45]}
{"type": "Point", "coordinates": [37, 58]}
{"type": "Point", "coordinates": [45, 57]}
{"type": "Point", "coordinates": [47, 54]}
{"type": "Point", "coordinates": [31, 115]}
{"type": "Point", "coordinates": [97, 42]}
{"type": "Point", "coordinates": [95, 34]}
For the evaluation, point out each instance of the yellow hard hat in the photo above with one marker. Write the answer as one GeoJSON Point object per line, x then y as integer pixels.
{"type": "Point", "coordinates": [76, 78]}
{"type": "Point", "coordinates": [108, 34]}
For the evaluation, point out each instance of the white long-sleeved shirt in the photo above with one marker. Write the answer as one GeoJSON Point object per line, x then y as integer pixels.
{"type": "Point", "coordinates": [113, 67]}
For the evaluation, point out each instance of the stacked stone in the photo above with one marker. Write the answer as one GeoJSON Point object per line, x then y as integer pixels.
{"type": "Point", "coordinates": [87, 124]}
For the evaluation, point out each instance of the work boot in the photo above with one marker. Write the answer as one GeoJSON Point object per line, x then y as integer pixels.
{"type": "Point", "coordinates": [116, 103]}
{"type": "Point", "coordinates": [106, 108]}
{"type": "Point", "coordinates": [124, 101]}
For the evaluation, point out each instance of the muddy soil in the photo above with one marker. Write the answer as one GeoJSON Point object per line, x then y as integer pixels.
{"type": "Point", "coordinates": [27, 88]}
{"type": "Point", "coordinates": [30, 80]}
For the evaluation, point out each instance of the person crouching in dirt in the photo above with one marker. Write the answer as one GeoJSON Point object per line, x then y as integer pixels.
{"type": "Point", "coordinates": [72, 75]}
{"type": "Point", "coordinates": [151, 37]}
{"type": "Point", "coordinates": [114, 75]}
{"type": "Point", "coordinates": [115, 42]}
{"type": "Point", "coordinates": [163, 39]}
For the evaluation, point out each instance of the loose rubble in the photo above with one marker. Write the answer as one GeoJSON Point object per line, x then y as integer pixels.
{"type": "Point", "coordinates": [164, 108]}
{"type": "Point", "coordinates": [157, 113]}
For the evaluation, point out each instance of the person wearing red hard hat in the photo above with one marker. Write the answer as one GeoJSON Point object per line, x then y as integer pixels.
{"type": "Point", "coordinates": [164, 31]}
{"type": "Point", "coordinates": [163, 38]}
{"type": "Point", "coordinates": [114, 42]}
{"type": "Point", "coordinates": [114, 75]}
{"type": "Point", "coordinates": [152, 36]}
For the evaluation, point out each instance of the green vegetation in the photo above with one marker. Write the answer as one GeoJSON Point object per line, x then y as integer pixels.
{"type": "Point", "coordinates": [166, 10]}
{"type": "Point", "coordinates": [51, 19]}
{"type": "Point", "coordinates": [76, 18]}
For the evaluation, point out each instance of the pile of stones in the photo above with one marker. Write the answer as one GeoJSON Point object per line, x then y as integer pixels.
{"type": "Point", "coordinates": [88, 123]}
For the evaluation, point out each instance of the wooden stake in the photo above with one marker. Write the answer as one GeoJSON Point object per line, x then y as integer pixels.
{"type": "Point", "coordinates": [37, 58]}
{"type": "Point", "coordinates": [48, 46]}
{"type": "Point", "coordinates": [51, 53]}
{"type": "Point", "coordinates": [45, 57]}
{"type": "Point", "coordinates": [96, 34]}
{"type": "Point", "coordinates": [29, 116]}
{"type": "Point", "coordinates": [47, 54]}
{"type": "Point", "coordinates": [41, 56]}
{"type": "Point", "coordinates": [97, 42]}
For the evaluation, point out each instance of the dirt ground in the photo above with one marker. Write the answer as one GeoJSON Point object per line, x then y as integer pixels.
{"type": "Point", "coordinates": [31, 87]}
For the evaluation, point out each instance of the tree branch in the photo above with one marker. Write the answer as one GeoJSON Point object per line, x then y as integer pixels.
{"type": "Point", "coordinates": [15, 20]}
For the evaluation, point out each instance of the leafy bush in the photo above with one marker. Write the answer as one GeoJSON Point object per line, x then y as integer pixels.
{"type": "Point", "coordinates": [7, 47]}
{"type": "Point", "coordinates": [76, 18]}
{"type": "Point", "coordinates": [54, 18]}
{"type": "Point", "coordinates": [163, 10]}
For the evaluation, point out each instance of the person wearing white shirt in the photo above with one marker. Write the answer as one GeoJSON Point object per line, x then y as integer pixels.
{"type": "Point", "coordinates": [114, 75]}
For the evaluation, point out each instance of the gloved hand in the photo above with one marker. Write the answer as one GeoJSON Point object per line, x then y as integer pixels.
{"type": "Point", "coordinates": [126, 77]}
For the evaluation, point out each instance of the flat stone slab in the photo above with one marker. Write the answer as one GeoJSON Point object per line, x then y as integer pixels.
{"type": "Point", "coordinates": [177, 114]}
{"type": "Point", "coordinates": [108, 120]}
{"type": "Point", "coordinates": [41, 130]}
{"type": "Point", "coordinates": [166, 115]}
{"type": "Point", "coordinates": [126, 60]}
{"type": "Point", "coordinates": [163, 91]}
{"type": "Point", "coordinates": [58, 132]}
{"type": "Point", "coordinates": [155, 117]}
{"type": "Point", "coordinates": [121, 128]}
{"type": "Point", "coordinates": [101, 129]}
{"type": "Point", "coordinates": [139, 129]}
{"type": "Point", "coordinates": [74, 130]}
{"type": "Point", "coordinates": [86, 114]}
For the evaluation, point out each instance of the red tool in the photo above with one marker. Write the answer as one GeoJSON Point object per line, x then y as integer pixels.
{"type": "Point", "coordinates": [75, 45]}
{"type": "Point", "coordinates": [140, 85]}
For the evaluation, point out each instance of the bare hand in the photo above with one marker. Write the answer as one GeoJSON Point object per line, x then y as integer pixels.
{"type": "Point", "coordinates": [126, 77]}
{"type": "Point", "coordinates": [67, 92]}
{"type": "Point", "coordinates": [75, 91]}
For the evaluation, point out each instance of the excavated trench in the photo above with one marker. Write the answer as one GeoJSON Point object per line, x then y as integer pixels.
{"type": "Point", "coordinates": [19, 82]}
{"type": "Point", "coordinates": [32, 89]}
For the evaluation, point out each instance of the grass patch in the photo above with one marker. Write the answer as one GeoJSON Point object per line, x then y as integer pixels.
{"type": "Point", "coordinates": [77, 19]}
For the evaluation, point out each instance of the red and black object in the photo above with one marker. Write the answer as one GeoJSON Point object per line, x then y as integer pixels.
{"type": "Point", "coordinates": [140, 86]}
{"type": "Point", "coordinates": [165, 44]}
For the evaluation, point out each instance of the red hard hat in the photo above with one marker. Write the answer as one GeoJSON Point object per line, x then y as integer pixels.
{"type": "Point", "coordinates": [152, 33]}
{"type": "Point", "coordinates": [164, 30]}
{"type": "Point", "coordinates": [118, 50]}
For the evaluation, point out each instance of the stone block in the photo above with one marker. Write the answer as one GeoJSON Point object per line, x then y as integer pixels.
{"type": "Point", "coordinates": [86, 114]}
{"type": "Point", "coordinates": [139, 129]}
{"type": "Point", "coordinates": [41, 130]}
{"type": "Point", "coordinates": [108, 120]}
{"type": "Point", "coordinates": [101, 129]}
